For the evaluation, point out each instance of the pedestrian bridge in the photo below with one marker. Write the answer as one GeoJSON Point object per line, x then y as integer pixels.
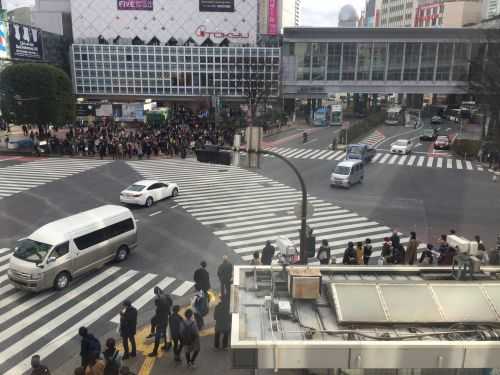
{"type": "Point", "coordinates": [318, 62]}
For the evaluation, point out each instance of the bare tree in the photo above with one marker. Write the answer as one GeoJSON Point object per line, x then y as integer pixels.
{"type": "Point", "coordinates": [256, 89]}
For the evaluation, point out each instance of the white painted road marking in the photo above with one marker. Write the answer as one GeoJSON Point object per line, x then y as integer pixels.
{"type": "Point", "coordinates": [183, 288]}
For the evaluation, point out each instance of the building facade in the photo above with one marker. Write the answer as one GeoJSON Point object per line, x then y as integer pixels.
{"type": "Point", "coordinates": [431, 13]}
{"type": "Point", "coordinates": [179, 20]}
{"type": "Point", "coordinates": [320, 62]}
{"type": "Point", "coordinates": [396, 13]}
{"type": "Point", "coordinates": [274, 15]}
{"type": "Point", "coordinates": [490, 9]}
{"type": "Point", "coordinates": [120, 71]}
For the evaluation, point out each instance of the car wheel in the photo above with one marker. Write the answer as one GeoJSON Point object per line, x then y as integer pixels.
{"type": "Point", "coordinates": [175, 192]}
{"type": "Point", "coordinates": [361, 180]}
{"type": "Point", "coordinates": [121, 253]}
{"type": "Point", "coordinates": [62, 281]}
{"type": "Point", "coordinates": [149, 202]}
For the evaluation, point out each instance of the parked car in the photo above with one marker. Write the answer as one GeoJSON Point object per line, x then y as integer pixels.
{"type": "Point", "coordinates": [146, 192]}
{"type": "Point", "coordinates": [402, 146]}
{"type": "Point", "coordinates": [442, 143]}
{"type": "Point", "coordinates": [436, 120]}
{"type": "Point", "coordinates": [429, 135]}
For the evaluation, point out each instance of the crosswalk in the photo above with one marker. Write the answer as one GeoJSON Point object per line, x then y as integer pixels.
{"type": "Point", "coordinates": [245, 209]}
{"type": "Point", "coordinates": [306, 153]}
{"type": "Point", "coordinates": [427, 161]}
{"type": "Point", "coordinates": [45, 322]}
{"type": "Point", "coordinates": [373, 138]}
{"type": "Point", "coordinates": [25, 176]}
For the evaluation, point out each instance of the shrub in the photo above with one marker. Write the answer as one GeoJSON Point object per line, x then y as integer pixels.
{"type": "Point", "coordinates": [362, 127]}
{"type": "Point", "coordinates": [466, 147]}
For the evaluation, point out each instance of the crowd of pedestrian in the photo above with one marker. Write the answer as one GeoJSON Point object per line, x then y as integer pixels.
{"type": "Point", "coordinates": [178, 328]}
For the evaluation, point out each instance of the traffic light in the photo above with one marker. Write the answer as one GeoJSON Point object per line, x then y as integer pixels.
{"type": "Point", "coordinates": [212, 154]}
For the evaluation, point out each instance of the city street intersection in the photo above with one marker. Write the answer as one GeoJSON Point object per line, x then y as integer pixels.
{"type": "Point", "coordinates": [220, 210]}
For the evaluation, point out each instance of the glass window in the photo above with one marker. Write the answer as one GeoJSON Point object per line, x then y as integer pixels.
{"type": "Point", "coordinates": [427, 61]}
{"type": "Point", "coordinates": [364, 61]}
{"type": "Point", "coordinates": [461, 62]}
{"type": "Point", "coordinates": [395, 61]}
{"type": "Point", "coordinates": [412, 53]}
{"type": "Point", "coordinates": [444, 61]}
{"type": "Point", "coordinates": [379, 57]}
{"type": "Point", "coordinates": [349, 61]}
{"type": "Point", "coordinates": [60, 250]}
{"type": "Point", "coordinates": [31, 251]}
{"type": "Point", "coordinates": [303, 60]}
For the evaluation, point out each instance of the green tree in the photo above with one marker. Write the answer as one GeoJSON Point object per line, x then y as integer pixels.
{"type": "Point", "coordinates": [38, 94]}
{"type": "Point", "coordinates": [484, 81]}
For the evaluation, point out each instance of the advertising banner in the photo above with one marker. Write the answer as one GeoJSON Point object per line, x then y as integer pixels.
{"type": "Point", "coordinates": [25, 42]}
{"type": "Point", "coordinates": [105, 110]}
{"type": "Point", "coordinates": [216, 5]}
{"type": "Point", "coordinates": [272, 28]}
{"type": "Point", "coordinates": [135, 4]}
{"type": "Point", "coordinates": [130, 112]}
{"type": "Point", "coordinates": [4, 51]}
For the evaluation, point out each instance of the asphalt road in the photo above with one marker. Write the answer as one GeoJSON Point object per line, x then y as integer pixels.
{"type": "Point", "coordinates": [221, 210]}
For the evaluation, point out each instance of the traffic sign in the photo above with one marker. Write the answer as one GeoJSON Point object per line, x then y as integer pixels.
{"type": "Point", "coordinates": [298, 210]}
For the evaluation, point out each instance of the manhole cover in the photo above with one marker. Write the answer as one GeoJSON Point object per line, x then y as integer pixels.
{"type": "Point", "coordinates": [216, 227]}
{"type": "Point", "coordinates": [222, 170]}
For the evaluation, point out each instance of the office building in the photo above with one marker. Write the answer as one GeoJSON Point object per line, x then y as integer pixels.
{"type": "Point", "coordinates": [432, 13]}
{"type": "Point", "coordinates": [274, 15]}
{"type": "Point", "coordinates": [396, 13]}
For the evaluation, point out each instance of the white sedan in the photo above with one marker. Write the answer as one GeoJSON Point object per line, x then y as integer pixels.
{"type": "Point", "coordinates": [402, 146]}
{"type": "Point", "coordinates": [146, 192]}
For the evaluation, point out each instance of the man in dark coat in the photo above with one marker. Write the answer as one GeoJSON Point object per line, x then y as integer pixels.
{"type": "Point", "coordinates": [128, 325]}
{"type": "Point", "coordinates": [222, 319]}
{"type": "Point", "coordinates": [163, 306]}
{"type": "Point", "coordinates": [37, 368]}
{"type": "Point", "coordinates": [225, 274]}
{"type": "Point", "coordinates": [175, 322]}
{"type": "Point", "coordinates": [267, 254]}
{"type": "Point", "coordinates": [202, 278]}
{"type": "Point", "coordinates": [90, 346]}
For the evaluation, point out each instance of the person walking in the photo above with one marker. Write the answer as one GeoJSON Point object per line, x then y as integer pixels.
{"type": "Point", "coordinates": [359, 253]}
{"type": "Point", "coordinates": [225, 274]}
{"type": "Point", "coordinates": [267, 254]}
{"type": "Point", "coordinates": [386, 253]}
{"type": "Point", "coordinates": [159, 322]}
{"type": "Point", "coordinates": [255, 259]}
{"type": "Point", "coordinates": [411, 249]}
{"type": "Point", "coordinates": [201, 278]}
{"type": "Point", "coordinates": [90, 346]}
{"type": "Point", "coordinates": [395, 240]}
{"type": "Point", "coordinates": [349, 254]}
{"type": "Point", "coordinates": [324, 253]}
{"type": "Point", "coordinates": [37, 368]}
{"type": "Point", "coordinates": [95, 365]}
{"type": "Point", "coordinates": [427, 256]}
{"type": "Point", "coordinates": [367, 251]}
{"type": "Point", "coordinates": [112, 358]}
{"type": "Point", "coordinates": [128, 327]}
{"type": "Point", "coordinates": [175, 325]}
{"type": "Point", "coordinates": [190, 338]}
{"type": "Point", "coordinates": [199, 305]}
{"type": "Point", "coordinates": [222, 319]}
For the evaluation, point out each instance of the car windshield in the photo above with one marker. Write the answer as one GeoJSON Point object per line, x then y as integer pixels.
{"type": "Point", "coordinates": [401, 143]}
{"type": "Point", "coordinates": [136, 187]}
{"type": "Point", "coordinates": [342, 170]}
{"type": "Point", "coordinates": [32, 251]}
{"type": "Point", "coordinates": [355, 150]}
{"type": "Point", "coordinates": [429, 131]}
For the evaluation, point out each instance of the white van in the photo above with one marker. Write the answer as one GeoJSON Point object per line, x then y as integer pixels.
{"type": "Point", "coordinates": [348, 173]}
{"type": "Point", "coordinates": [64, 249]}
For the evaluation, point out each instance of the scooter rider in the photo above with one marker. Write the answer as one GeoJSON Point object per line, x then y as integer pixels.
{"type": "Point", "coordinates": [304, 137]}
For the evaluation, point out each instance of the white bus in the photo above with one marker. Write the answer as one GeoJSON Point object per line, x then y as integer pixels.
{"type": "Point", "coordinates": [394, 116]}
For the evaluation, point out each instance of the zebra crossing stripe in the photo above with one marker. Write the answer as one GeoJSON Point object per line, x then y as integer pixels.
{"type": "Point", "coordinates": [420, 161]}
{"type": "Point", "coordinates": [67, 335]}
{"type": "Point", "coordinates": [468, 165]}
{"type": "Point", "coordinates": [393, 159]}
{"type": "Point", "coordinates": [333, 155]}
{"type": "Point", "coordinates": [411, 160]}
{"type": "Point", "coordinates": [341, 156]}
{"type": "Point", "coordinates": [304, 152]}
{"type": "Point", "coordinates": [183, 288]}
{"type": "Point", "coordinates": [430, 160]}
{"type": "Point", "coordinates": [6, 301]}
{"type": "Point", "coordinates": [402, 159]}
{"type": "Point", "coordinates": [315, 154]}
{"type": "Point", "coordinates": [459, 164]}
{"type": "Point", "coordinates": [325, 154]}
{"type": "Point", "coordinates": [449, 163]}
{"type": "Point", "coordinates": [148, 296]}
{"type": "Point", "coordinates": [6, 288]}
{"type": "Point", "coordinates": [384, 158]}
{"type": "Point", "coordinates": [439, 163]}
{"type": "Point", "coordinates": [376, 157]}
{"type": "Point", "coordinates": [294, 153]}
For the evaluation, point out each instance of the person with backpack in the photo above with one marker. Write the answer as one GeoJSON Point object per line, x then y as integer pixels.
{"type": "Point", "coordinates": [159, 322]}
{"type": "Point", "coordinates": [222, 319]}
{"type": "Point", "coordinates": [367, 251]}
{"type": "Point", "coordinates": [37, 368]}
{"type": "Point", "coordinates": [324, 253]}
{"type": "Point", "coordinates": [190, 338]}
{"type": "Point", "coordinates": [112, 358]}
{"type": "Point", "coordinates": [90, 346]}
{"type": "Point", "coordinates": [199, 305]}
{"type": "Point", "coordinates": [349, 254]}
{"type": "Point", "coordinates": [128, 326]}
{"type": "Point", "coordinates": [175, 325]}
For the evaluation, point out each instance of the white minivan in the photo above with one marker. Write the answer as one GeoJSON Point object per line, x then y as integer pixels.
{"type": "Point", "coordinates": [348, 173]}
{"type": "Point", "coordinates": [59, 251]}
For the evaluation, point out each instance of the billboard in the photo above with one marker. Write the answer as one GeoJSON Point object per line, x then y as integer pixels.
{"type": "Point", "coordinates": [216, 5]}
{"type": "Point", "coordinates": [25, 42]}
{"type": "Point", "coordinates": [135, 4]}
{"type": "Point", "coordinates": [272, 28]}
{"type": "Point", "coordinates": [4, 50]}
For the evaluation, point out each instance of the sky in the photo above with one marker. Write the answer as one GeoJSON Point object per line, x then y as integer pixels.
{"type": "Point", "coordinates": [325, 12]}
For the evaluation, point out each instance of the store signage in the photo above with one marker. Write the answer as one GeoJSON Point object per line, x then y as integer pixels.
{"type": "Point", "coordinates": [25, 42]}
{"type": "Point", "coordinates": [202, 32]}
{"type": "Point", "coordinates": [272, 26]}
{"type": "Point", "coordinates": [4, 52]}
{"type": "Point", "coordinates": [216, 5]}
{"type": "Point", "coordinates": [135, 4]}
